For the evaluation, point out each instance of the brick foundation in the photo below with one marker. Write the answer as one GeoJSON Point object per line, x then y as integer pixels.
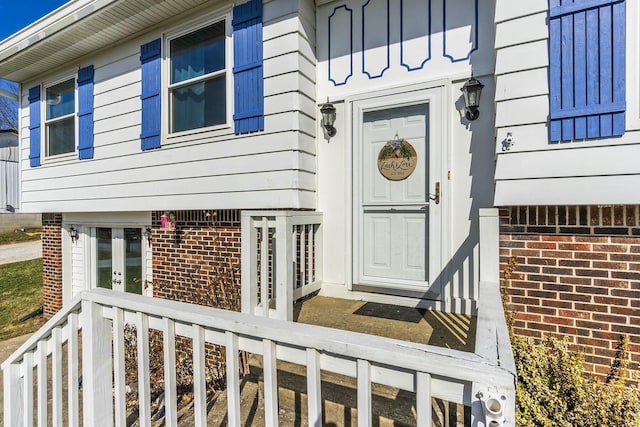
{"type": "Point", "coordinates": [187, 260]}
{"type": "Point", "coordinates": [51, 263]}
{"type": "Point", "coordinates": [576, 274]}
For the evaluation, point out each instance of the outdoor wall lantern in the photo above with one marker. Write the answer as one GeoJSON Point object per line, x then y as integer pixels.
{"type": "Point", "coordinates": [147, 235]}
{"type": "Point", "coordinates": [73, 233]}
{"type": "Point", "coordinates": [472, 90]}
{"type": "Point", "coordinates": [328, 118]}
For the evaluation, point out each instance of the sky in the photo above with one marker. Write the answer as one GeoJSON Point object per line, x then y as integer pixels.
{"type": "Point", "coordinates": [17, 14]}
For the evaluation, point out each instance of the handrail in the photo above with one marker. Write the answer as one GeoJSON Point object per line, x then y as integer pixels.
{"type": "Point", "coordinates": [423, 369]}
{"type": "Point", "coordinates": [58, 319]}
{"type": "Point", "coordinates": [442, 361]}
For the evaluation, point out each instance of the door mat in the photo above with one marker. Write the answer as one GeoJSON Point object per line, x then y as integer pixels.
{"type": "Point", "coordinates": [391, 312]}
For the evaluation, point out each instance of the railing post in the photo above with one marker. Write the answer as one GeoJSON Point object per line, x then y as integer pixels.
{"type": "Point", "coordinates": [249, 272]}
{"type": "Point", "coordinates": [489, 245]}
{"type": "Point", "coordinates": [283, 260]}
{"type": "Point", "coordinates": [96, 366]}
{"type": "Point", "coordinates": [319, 250]}
{"type": "Point", "coordinates": [13, 396]}
{"type": "Point", "coordinates": [73, 400]}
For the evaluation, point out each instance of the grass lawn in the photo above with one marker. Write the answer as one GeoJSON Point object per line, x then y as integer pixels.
{"type": "Point", "coordinates": [20, 236]}
{"type": "Point", "coordinates": [20, 294]}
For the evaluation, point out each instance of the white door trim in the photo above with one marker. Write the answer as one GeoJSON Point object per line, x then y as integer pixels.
{"type": "Point", "coordinates": [86, 224]}
{"type": "Point", "coordinates": [437, 131]}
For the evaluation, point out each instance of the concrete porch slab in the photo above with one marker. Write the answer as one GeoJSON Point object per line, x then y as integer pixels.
{"type": "Point", "coordinates": [447, 330]}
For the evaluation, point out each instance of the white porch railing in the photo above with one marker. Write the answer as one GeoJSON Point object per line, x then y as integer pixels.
{"type": "Point", "coordinates": [281, 260]}
{"type": "Point", "coordinates": [484, 380]}
{"type": "Point", "coordinates": [424, 370]}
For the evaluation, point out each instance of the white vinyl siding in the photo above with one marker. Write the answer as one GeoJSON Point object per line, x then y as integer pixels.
{"type": "Point", "coordinates": [210, 168]}
{"type": "Point", "coordinates": [534, 171]}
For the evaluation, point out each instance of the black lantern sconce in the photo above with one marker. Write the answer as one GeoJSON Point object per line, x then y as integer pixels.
{"type": "Point", "coordinates": [73, 233]}
{"type": "Point", "coordinates": [472, 90]}
{"type": "Point", "coordinates": [328, 118]}
{"type": "Point", "coordinates": [147, 235]}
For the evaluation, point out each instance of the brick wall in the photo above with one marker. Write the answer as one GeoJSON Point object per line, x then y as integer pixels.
{"type": "Point", "coordinates": [186, 261]}
{"type": "Point", "coordinates": [576, 274]}
{"type": "Point", "coordinates": [51, 263]}
{"type": "Point", "coordinates": [187, 258]}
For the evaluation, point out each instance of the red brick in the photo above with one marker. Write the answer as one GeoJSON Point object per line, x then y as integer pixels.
{"type": "Point", "coordinates": [556, 238]}
{"type": "Point", "coordinates": [559, 321]}
{"type": "Point", "coordinates": [541, 310]}
{"type": "Point", "coordinates": [591, 239]}
{"type": "Point", "coordinates": [610, 265]}
{"type": "Point", "coordinates": [590, 255]}
{"type": "Point", "coordinates": [574, 263]}
{"type": "Point", "coordinates": [576, 280]}
{"type": "Point", "coordinates": [541, 245]}
{"type": "Point", "coordinates": [622, 302]}
{"type": "Point", "coordinates": [534, 237]}
{"type": "Point", "coordinates": [610, 283]}
{"type": "Point", "coordinates": [624, 257]}
{"type": "Point", "coordinates": [574, 247]}
{"type": "Point", "coordinates": [541, 261]}
{"type": "Point", "coordinates": [573, 314]}
{"type": "Point", "coordinates": [529, 317]}
{"type": "Point", "coordinates": [610, 248]}
{"type": "Point", "coordinates": [625, 240]}
{"type": "Point", "coordinates": [591, 273]}
{"type": "Point", "coordinates": [608, 318]}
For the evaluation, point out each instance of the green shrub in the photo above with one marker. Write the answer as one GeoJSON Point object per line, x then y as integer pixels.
{"type": "Point", "coordinates": [553, 389]}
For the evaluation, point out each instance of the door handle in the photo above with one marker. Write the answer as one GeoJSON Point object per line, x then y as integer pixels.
{"type": "Point", "coordinates": [436, 197]}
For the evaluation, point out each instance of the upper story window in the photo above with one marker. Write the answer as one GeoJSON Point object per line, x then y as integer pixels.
{"type": "Point", "coordinates": [202, 82]}
{"type": "Point", "coordinates": [198, 78]}
{"type": "Point", "coordinates": [60, 109]}
{"type": "Point", "coordinates": [61, 118]}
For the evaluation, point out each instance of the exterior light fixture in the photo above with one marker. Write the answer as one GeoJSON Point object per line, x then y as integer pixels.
{"type": "Point", "coordinates": [147, 235]}
{"type": "Point", "coordinates": [73, 233]}
{"type": "Point", "coordinates": [328, 118]}
{"type": "Point", "coordinates": [472, 90]}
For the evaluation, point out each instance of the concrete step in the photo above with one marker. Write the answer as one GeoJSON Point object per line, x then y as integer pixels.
{"type": "Point", "coordinates": [390, 407]}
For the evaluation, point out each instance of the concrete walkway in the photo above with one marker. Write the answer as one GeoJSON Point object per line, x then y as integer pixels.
{"type": "Point", "coordinates": [23, 251]}
{"type": "Point", "coordinates": [15, 252]}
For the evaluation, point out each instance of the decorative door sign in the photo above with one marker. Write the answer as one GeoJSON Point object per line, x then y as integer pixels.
{"type": "Point", "coordinates": [397, 159]}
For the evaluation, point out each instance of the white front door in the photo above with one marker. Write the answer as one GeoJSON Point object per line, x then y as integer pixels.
{"type": "Point", "coordinates": [399, 196]}
{"type": "Point", "coordinates": [118, 259]}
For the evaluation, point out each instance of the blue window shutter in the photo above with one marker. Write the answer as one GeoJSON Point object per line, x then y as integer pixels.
{"type": "Point", "coordinates": [34, 126]}
{"type": "Point", "coordinates": [150, 96]}
{"type": "Point", "coordinates": [586, 69]}
{"type": "Point", "coordinates": [85, 113]}
{"type": "Point", "coordinates": [247, 67]}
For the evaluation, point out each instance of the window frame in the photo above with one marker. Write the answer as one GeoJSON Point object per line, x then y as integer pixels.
{"type": "Point", "coordinates": [44, 141]}
{"type": "Point", "coordinates": [227, 72]}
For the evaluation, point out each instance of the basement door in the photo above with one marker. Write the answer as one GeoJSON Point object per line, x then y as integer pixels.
{"type": "Point", "coordinates": [399, 197]}
{"type": "Point", "coordinates": [118, 259]}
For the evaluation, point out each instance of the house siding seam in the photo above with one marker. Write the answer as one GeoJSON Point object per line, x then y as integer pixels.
{"type": "Point", "coordinates": [576, 276]}
{"type": "Point", "coordinates": [51, 263]}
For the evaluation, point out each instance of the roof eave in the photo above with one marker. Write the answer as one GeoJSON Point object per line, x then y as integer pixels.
{"type": "Point", "coordinates": [61, 19]}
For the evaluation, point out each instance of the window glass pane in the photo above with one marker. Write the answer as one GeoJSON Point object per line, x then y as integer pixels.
{"type": "Point", "coordinates": [198, 53]}
{"type": "Point", "coordinates": [61, 99]}
{"type": "Point", "coordinates": [61, 137]}
{"type": "Point", "coordinates": [104, 258]}
{"type": "Point", "coordinates": [199, 105]}
{"type": "Point", "coordinates": [133, 260]}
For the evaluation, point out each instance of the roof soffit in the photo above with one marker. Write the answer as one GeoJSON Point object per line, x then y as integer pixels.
{"type": "Point", "coordinates": [68, 34]}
